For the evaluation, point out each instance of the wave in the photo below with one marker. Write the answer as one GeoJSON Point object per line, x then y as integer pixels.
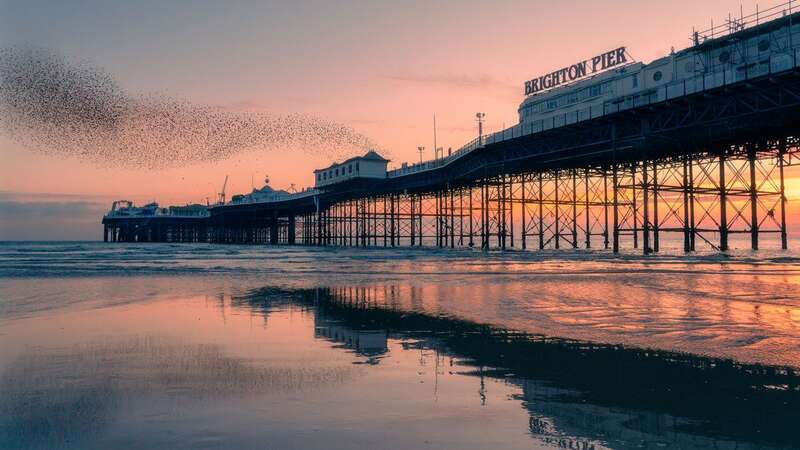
{"type": "Point", "coordinates": [68, 259]}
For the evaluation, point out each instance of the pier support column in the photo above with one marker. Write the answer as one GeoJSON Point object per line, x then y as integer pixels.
{"type": "Point", "coordinates": [273, 230]}
{"type": "Point", "coordinates": [437, 215]}
{"type": "Point", "coordinates": [484, 215]}
{"type": "Point", "coordinates": [692, 223]}
{"type": "Point", "coordinates": [511, 210]}
{"type": "Point", "coordinates": [412, 220]}
{"type": "Point", "coordinates": [318, 237]}
{"type": "Point", "coordinates": [524, 209]}
{"type": "Point", "coordinates": [751, 157]}
{"type": "Point", "coordinates": [501, 213]}
{"type": "Point", "coordinates": [290, 232]}
{"type": "Point", "coordinates": [326, 226]}
{"type": "Point", "coordinates": [471, 218]}
{"type": "Point", "coordinates": [541, 211]}
{"type": "Point", "coordinates": [606, 234]}
{"type": "Point", "coordinates": [461, 217]}
{"type": "Point", "coordinates": [385, 203]}
{"type": "Point", "coordinates": [557, 224]}
{"type": "Point", "coordinates": [686, 231]}
{"type": "Point", "coordinates": [723, 204]}
{"type": "Point", "coordinates": [421, 220]}
{"type": "Point", "coordinates": [395, 241]}
{"type": "Point", "coordinates": [586, 206]}
{"type": "Point", "coordinates": [781, 163]}
{"type": "Point", "coordinates": [452, 229]}
{"type": "Point", "coordinates": [634, 207]}
{"type": "Point", "coordinates": [656, 220]}
{"type": "Point", "coordinates": [615, 196]}
{"type": "Point", "coordinates": [574, 200]}
{"type": "Point", "coordinates": [105, 233]}
{"type": "Point", "coordinates": [645, 208]}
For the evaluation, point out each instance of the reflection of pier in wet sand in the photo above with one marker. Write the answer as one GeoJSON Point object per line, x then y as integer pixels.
{"type": "Point", "coordinates": [298, 367]}
{"type": "Point", "coordinates": [579, 394]}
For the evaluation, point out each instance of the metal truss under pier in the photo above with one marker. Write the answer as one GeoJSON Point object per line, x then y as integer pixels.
{"type": "Point", "coordinates": [695, 200]}
{"type": "Point", "coordinates": [703, 171]}
{"type": "Point", "coordinates": [155, 229]}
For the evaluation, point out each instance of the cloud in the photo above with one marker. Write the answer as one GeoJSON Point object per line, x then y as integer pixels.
{"type": "Point", "coordinates": [10, 209]}
{"type": "Point", "coordinates": [461, 81]}
{"type": "Point", "coordinates": [51, 220]}
{"type": "Point", "coordinates": [460, 129]}
{"type": "Point", "coordinates": [49, 196]}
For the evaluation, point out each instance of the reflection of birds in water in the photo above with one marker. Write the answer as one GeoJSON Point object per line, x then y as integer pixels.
{"type": "Point", "coordinates": [59, 107]}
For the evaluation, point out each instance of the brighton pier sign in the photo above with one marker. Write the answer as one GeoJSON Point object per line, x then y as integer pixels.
{"type": "Point", "coordinates": [584, 68]}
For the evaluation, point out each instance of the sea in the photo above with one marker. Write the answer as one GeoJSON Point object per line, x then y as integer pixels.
{"type": "Point", "coordinates": [125, 345]}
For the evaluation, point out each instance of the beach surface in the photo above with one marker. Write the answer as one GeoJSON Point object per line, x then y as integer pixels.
{"type": "Point", "coordinates": [202, 346]}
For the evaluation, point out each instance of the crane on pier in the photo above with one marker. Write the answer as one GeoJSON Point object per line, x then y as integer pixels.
{"type": "Point", "coordinates": [222, 191]}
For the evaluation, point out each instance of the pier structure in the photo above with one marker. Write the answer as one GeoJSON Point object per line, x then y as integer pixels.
{"type": "Point", "coordinates": [705, 166]}
{"type": "Point", "coordinates": [699, 161]}
{"type": "Point", "coordinates": [701, 199]}
{"type": "Point", "coordinates": [127, 223]}
{"type": "Point", "coordinates": [155, 229]}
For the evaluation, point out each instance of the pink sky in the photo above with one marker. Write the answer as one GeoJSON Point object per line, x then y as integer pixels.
{"type": "Point", "coordinates": [384, 69]}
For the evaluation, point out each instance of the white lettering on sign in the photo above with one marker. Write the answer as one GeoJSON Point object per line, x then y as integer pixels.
{"type": "Point", "coordinates": [591, 66]}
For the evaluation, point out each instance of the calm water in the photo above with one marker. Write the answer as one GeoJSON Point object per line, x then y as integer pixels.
{"type": "Point", "coordinates": [181, 346]}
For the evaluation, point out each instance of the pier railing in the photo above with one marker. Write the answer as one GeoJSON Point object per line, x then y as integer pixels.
{"type": "Point", "coordinates": [735, 24]}
{"type": "Point", "coordinates": [701, 83]}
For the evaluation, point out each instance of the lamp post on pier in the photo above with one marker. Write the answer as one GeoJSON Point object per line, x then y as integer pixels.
{"type": "Point", "coordinates": [480, 117]}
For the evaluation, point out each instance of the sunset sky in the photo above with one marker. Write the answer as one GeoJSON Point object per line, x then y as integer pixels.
{"type": "Point", "coordinates": [382, 68]}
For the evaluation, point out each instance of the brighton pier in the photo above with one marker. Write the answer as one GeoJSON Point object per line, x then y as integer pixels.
{"type": "Point", "coordinates": [694, 152]}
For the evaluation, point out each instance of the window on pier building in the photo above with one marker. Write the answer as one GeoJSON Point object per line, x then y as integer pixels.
{"type": "Point", "coordinates": [350, 168]}
{"type": "Point", "coordinates": [356, 167]}
{"type": "Point", "coordinates": [337, 171]}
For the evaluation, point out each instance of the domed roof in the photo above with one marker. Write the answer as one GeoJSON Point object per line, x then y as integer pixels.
{"type": "Point", "coordinates": [264, 189]}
